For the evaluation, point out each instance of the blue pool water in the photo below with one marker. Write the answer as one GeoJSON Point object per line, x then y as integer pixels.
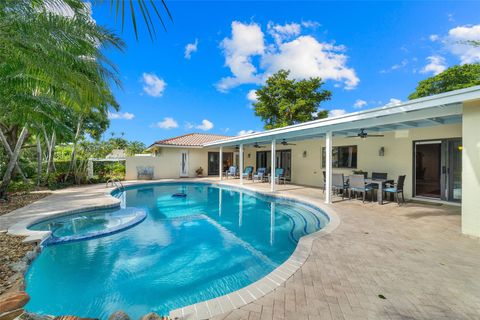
{"type": "Point", "coordinates": [188, 249]}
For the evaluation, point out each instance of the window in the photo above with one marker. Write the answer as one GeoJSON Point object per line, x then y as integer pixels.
{"type": "Point", "coordinates": [342, 157]}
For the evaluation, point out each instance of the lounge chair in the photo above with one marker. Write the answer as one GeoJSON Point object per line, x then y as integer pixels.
{"type": "Point", "coordinates": [396, 189]}
{"type": "Point", "coordinates": [259, 175]}
{"type": "Point", "coordinates": [357, 184]}
{"type": "Point", "coordinates": [231, 172]}
{"type": "Point", "coordinates": [247, 173]}
{"type": "Point", "coordinates": [279, 176]}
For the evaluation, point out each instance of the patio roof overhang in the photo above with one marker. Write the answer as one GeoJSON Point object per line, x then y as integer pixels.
{"type": "Point", "coordinates": [441, 109]}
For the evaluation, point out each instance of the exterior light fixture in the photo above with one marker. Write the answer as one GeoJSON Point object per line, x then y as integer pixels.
{"type": "Point", "coordinates": [381, 151]}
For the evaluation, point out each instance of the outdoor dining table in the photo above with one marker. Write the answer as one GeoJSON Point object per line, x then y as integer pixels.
{"type": "Point", "coordinates": [380, 183]}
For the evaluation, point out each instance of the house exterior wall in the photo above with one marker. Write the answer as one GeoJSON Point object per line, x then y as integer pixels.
{"type": "Point", "coordinates": [307, 170]}
{"type": "Point", "coordinates": [471, 169]}
{"type": "Point", "coordinates": [167, 163]}
{"type": "Point", "coordinates": [397, 160]}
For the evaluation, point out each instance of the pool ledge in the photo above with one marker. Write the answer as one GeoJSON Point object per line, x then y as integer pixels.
{"type": "Point", "coordinates": [234, 300]}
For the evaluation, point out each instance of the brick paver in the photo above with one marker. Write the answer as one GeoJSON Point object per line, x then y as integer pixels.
{"type": "Point", "coordinates": [413, 255]}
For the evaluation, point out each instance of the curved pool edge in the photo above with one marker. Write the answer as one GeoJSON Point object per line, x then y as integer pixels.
{"type": "Point", "coordinates": [256, 290]}
{"type": "Point", "coordinates": [219, 305]}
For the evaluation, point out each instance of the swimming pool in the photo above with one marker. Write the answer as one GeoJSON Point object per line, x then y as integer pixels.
{"type": "Point", "coordinates": [188, 249]}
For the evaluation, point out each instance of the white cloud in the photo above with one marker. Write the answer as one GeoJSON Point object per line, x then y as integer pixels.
{"type": "Point", "coordinates": [393, 102]}
{"type": "Point", "coordinates": [191, 48]}
{"type": "Point", "coordinates": [310, 24]}
{"type": "Point", "coordinates": [120, 115]}
{"type": "Point", "coordinates": [359, 103]}
{"type": "Point", "coordinates": [283, 32]}
{"type": "Point", "coordinates": [436, 65]}
{"type": "Point", "coordinates": [303, 55]}
{"type": "Point", "coordinates": [397, 66]}
{"type": "Point", "coordinates": [336, 112]}
{"type": "Point", "coordinates": [167, 123]}
{"type": "Point", "coordinates": [247, 40]}
{"type": "Point", "coordinates": [434, 37]}
{"type": "Point", "coordinates": [456, 42]}
{"type": "Point", "coordinates": [244, 132]}
{"type": "Point", "coordinates": [153, 85]}
{"type": "Point", "coordinates": [252, 96]}
{"type": "Point", "coordinates": [306, 57]}
{"type": "Point", "coordinates": [205, 125]}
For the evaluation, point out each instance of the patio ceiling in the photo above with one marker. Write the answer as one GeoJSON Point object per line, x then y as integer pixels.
{"type": "Point", "coordinates": [441, 109]}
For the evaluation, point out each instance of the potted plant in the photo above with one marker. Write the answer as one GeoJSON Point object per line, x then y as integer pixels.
{"type": "Point", "coordinates": [199, 172]}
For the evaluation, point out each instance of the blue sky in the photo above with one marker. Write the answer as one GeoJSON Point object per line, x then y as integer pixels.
{"type": "Point", "coordinates": [368, 53]}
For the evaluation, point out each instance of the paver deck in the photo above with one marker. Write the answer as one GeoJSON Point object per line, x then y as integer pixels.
{"type": "Point", "coordinates": [413, 255]}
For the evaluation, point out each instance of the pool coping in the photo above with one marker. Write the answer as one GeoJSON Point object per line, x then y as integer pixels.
{"type": "Point", "coordinates": [225, 303]}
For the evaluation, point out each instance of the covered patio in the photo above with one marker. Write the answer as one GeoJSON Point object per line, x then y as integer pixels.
{"type": "Point", "coordinates": [438, 119]}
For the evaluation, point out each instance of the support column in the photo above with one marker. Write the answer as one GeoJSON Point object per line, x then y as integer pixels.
{"type": "Point", "coordinates": [220, 163]}
{"type": "Point", "coordinates": [471, 169]}
{"type": "Point", "coordinates": [241, 163]}
{"type": "Point", "coordinates": [273, 164]}
{"type": "Point", "coordinates": [328, 167]}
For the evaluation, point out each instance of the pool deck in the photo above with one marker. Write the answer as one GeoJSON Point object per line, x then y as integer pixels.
{"type": "Point", "coordinates": [413, 255]}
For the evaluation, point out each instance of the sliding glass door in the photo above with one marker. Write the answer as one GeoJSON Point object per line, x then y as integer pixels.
{"type": "Point", "coordinates": [438, 169]}
{"type": "Point", "coordinates": [283, 159]}
{"type": "Point", "coordinates": [214, 161]}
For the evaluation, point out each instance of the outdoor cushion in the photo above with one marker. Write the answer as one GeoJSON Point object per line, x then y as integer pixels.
{"type": "Point", "coordinates": [390, 190]}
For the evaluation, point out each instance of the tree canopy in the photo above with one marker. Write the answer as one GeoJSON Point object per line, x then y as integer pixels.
{"type": "Point", "coordinates": [283, 101]}
{"type": "Point", "coordinates": [54, 78]}
{"type": "Point", "coordinates": [456, 77]}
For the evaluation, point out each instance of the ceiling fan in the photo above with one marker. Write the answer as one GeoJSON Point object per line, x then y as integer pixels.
{"type": "Point", "coordinates": [285, 143]}
{"type": "Point", "coordinates": [362, 134]}
{"type": "Point", "coordinates": [256, 145]}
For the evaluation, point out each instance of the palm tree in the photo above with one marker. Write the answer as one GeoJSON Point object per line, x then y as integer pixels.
{"type": "Point", "coordinates": [51, 67]}
{"type": "Point", "coordinates": [149, 11]}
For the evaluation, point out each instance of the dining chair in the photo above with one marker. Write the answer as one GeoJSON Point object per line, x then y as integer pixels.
{"type": "Point", "coordinates": [378, 176]}
{"type": "Point", "coordinates": [324, 180]}
{"type": "Point", "coordinates": [397, 189]}
{"type": "Point", "coordinates": [357, 184]}
{"type": "Point", "coordinates": [339, 184]}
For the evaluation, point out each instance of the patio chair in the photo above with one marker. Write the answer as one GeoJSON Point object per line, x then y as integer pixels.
{"type": "Point", "coordinates": [357, 184]}
{"type": "Point", "coordinates": [396, 189]}
{"type": "Point", "coordinates": [379, 176]}
{"type": "Point", "coordinates": [279, 175]}
{"type": "Point", "coordinates": [231, 172]}
{"type": "Point", "coordinates": [339, 184]}
{"type": "Point", "coordinates": [259, 175]}
{"type": "Point", "coordinates": [324, 180]}
{"type": "Point", "coordinates": [247, 173]}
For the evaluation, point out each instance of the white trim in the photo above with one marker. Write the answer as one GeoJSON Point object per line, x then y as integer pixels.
{"type": "Point", "coordinates": [436, 106]}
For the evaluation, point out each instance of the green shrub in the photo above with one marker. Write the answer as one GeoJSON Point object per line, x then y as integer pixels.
{"type": "Point", "coordinates": [21, 186]}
